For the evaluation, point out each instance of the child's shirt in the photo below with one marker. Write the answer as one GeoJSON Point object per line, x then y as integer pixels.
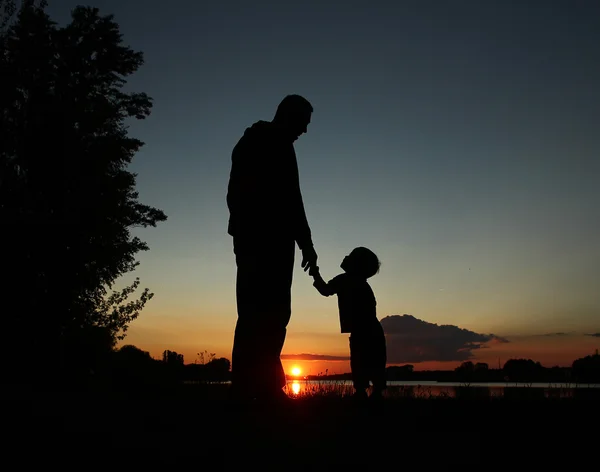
{"type": "Point", "coordinates": [356, 301]}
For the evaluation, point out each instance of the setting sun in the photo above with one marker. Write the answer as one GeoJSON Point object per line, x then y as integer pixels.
{"type": "Point", "coordinates": [296, 370]}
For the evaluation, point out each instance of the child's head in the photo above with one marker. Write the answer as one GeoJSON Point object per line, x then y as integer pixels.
{"type": "Point", "coordinates": [361, 262]}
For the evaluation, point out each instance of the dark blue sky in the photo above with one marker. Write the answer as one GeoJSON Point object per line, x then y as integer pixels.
{"type": "Point", "coordinates": [457, 139]}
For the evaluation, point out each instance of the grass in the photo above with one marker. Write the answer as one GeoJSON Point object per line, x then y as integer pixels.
{"type": "Point", "coordinates": [342, 388]}
{"type": "Point", "coordinates": [195, 426]}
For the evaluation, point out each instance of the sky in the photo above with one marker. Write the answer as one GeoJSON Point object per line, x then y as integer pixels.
{"type": "Point", "coordinates": [457, 140]}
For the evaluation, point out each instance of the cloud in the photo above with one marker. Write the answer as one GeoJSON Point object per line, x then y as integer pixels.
{"type": "Point", "coordinates": [596, 335]}
{"type": "Point", "coordinates": [412, 340]}
{"type": "Point", "coordinates": [559, 334]}
{"type": "Point", "coordinates": [314, 357]}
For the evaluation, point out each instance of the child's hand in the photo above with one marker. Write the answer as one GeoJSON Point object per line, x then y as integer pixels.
{"type": "Point", "coordinates": [313, 271]}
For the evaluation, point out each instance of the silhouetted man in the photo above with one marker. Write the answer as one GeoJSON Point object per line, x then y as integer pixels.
{"type": "Point", "coordinates": [266, 220]}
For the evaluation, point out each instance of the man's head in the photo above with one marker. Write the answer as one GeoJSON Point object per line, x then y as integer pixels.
{"type": "Point", "coordinates": [293, 114]}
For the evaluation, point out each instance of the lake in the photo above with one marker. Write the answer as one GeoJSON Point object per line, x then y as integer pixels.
{"type": "Point", "coordinates": [426, 389]}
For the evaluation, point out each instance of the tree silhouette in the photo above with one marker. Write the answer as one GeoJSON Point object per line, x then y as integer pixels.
{"type": "Point", "coordinates": [172, 358]}
{"type": "Point", "coordinates": [587, 369]}
{"type": "Point", "coordinates": [399, 372]}
{"type": "Point", "coordinates": [215, 370]}
{"type": "Point", "coordinates": [89, 353]}
{"type": "Point", "coordinates": [218, 369]}
{"type": "Point", "coordinates": [133, 367]}
{"type": "Point", "coordinates": [206, 357]}
{"type": "Point", "coordinates": [8, 9]}
{"type": "Point", "coordinates": [465, 372]}
{"type": "Point", "coordinates": [134, 355]}
{"type": "Point", "coordinates": [67, 201]}
{"type": "Point", "coordinates": [522, 370]}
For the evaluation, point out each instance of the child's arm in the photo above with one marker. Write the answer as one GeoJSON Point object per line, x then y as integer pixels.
{"type": "Point", "coordinates": [322, 286]}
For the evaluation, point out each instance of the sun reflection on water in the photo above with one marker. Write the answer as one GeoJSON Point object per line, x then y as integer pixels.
{"type": "Point", "coordinates": [295, 387]}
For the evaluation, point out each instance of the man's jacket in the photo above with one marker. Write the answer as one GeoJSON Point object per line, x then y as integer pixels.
{"type": "Point", "coordinates": [263, 196]}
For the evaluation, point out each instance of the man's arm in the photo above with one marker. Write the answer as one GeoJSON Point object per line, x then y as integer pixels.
{"type": "Point", "coordinates": [302, 231]}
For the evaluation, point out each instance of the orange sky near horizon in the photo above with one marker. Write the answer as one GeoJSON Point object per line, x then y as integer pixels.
{"type": "Point", "coordinates": [550, 350]}
{"type": "Point", "coordinates": [197, 312]}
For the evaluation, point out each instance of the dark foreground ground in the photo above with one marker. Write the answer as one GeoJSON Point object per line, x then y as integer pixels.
{"type": "Point", "coordinates": [198, 428]}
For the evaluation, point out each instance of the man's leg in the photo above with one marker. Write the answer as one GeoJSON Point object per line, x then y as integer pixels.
{"type": "Point", "coordinates": [277, 303]}
{"type": "Point", "coordinates": [244, 358]}
{"type": "Point", "coordinates": [378, 361]}
{"type": "Point", "coordinates": [263, 291]}
{"type": "Point", "coordinates": [358, 366]}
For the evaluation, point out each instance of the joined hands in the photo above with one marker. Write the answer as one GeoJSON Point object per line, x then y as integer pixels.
{"type": "Point", "coordinates": [309, 258]}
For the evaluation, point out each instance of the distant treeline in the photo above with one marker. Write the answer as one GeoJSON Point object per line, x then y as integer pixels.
{"type": "Point", "coordinates": [583, 370]}
{"type": "Point", "coordinates": [129, 367]}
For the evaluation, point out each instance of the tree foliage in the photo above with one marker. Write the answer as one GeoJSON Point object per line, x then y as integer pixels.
{"type": "Point", "coordinates": [522, 370]}
{"type": "Point", "coordinates": [587, 369]}
{"type": "Point", "coordinates": [68, 203]}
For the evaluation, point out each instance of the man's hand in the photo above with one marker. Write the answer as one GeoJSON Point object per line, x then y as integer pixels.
{"type": "Point", "coordinates": [309, 258]}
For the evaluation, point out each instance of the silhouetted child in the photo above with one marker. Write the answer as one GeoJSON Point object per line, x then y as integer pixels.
{"type": "Point", "coordinates": [358, 316]}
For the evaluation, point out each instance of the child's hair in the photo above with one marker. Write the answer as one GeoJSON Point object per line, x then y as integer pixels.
{"type": "Point", "coordinates": [364, 262]}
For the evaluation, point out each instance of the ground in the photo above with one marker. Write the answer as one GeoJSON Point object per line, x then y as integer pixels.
{"type": "Point", "coordinates": [193, 428]}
